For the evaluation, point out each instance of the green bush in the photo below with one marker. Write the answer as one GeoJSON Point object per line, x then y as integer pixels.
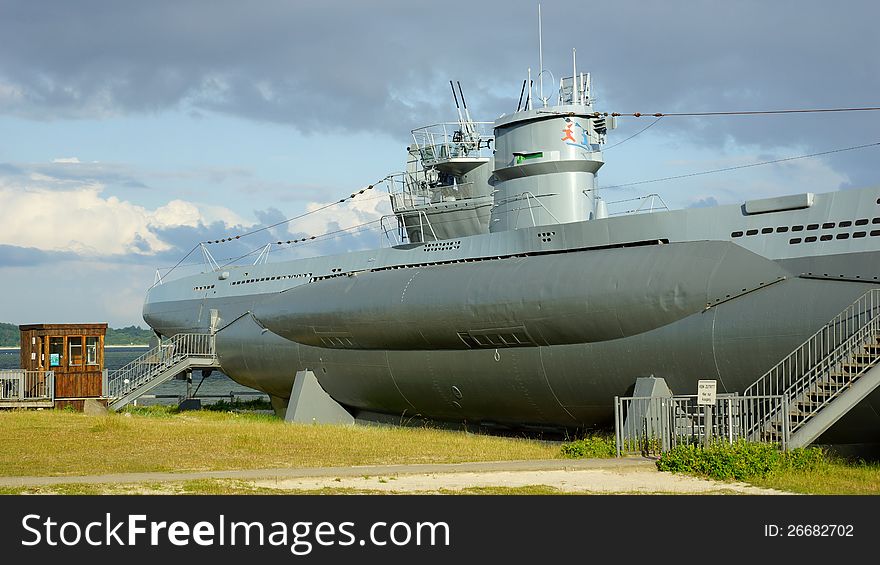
{"type": "Point", "coordinates": [592, 446]}
{"type": "Point", "coordinates": [741, 460]}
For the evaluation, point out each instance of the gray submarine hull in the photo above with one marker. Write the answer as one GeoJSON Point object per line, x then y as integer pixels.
{"type": "Point", "coordinates": [606, 318]}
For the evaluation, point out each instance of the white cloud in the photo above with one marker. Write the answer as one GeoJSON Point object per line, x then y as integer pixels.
{"type": "Point", "coordinates": [366, 207]}
{"type": "Point", "coordinates": [67, 160]}
{"type": "Point", "coordinates": [76, 216]}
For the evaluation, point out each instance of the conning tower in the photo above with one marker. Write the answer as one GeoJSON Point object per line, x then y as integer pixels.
{"type": "Point", "coordinates": [546, 159]}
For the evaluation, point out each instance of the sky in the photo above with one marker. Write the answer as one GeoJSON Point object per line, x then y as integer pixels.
{"type": "Point", "coordinates": [131, 131]}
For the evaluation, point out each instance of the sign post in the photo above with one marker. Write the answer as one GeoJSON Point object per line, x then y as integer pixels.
{"type": "Point", "coordinates": [706, 396]}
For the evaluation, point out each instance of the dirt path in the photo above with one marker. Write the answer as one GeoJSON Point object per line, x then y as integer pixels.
{"type": "Point", "coordinates": [629, 475]}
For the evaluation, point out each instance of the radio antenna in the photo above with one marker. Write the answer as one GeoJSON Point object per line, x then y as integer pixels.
{"type": "Point", "coordinates": [540, 59]}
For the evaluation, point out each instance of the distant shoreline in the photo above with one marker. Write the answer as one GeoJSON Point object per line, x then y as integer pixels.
{"type": "Point", "coordinates": [15, 348]}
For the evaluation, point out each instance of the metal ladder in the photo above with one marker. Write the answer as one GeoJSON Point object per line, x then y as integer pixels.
{"type": "Point", "coordinates": [170, 358]}
{"type": "Point", "coordinates": [824, 378]}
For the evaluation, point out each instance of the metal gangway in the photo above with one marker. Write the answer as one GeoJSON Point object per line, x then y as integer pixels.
{"type": "Point", "coordinates": [825, 377]}
{"type": "Point", "coordinates": [791, 405]}
{"type": "Point", "coordinates": [180, 353]}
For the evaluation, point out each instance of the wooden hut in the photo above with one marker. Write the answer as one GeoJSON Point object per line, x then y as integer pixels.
{"type": "Point", "coordinates": [74, 352]}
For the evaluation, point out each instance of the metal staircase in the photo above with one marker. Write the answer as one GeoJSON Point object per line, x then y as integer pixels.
{"type": "Point", "coordinates": [170, 358]}
{"type": "Point", "coordinates": [824, 378]}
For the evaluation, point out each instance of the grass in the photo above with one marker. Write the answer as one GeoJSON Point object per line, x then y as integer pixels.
{"type": "Point", "coordinates": [225, 486]}
{"type": "Point", "coordinates": [58, 443]}
{"type": "Point", "coordinates": [593, 446]}
{"type": "Point", "coordinates": [833, 477]}
{"type": "Point", "coordinates": [806, 471]}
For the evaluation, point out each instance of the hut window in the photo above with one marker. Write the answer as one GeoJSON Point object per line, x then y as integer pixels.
{"type": "Point", "coordinates": [92, 350]}
{"type": "Point", "coordinates": [75, 345]}
{"type": "Point", "coordinates": [56, 351]}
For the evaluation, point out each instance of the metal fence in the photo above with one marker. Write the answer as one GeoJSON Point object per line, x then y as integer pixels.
{"type": "Point", "coordinates": [653, 425]}
{"type": "Point", "coordinates": [22, 385]}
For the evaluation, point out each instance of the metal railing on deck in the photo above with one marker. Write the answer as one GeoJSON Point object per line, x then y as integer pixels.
{"type": "Point", "coordinates": [451, 140]}
{"type": "Point", "coordinates": [159, 359]}
{"type": "Point", "coordinates": [22, 385]}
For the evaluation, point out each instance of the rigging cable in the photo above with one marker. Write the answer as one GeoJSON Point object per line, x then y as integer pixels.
{"type": "Point", "coordinates": [303, 215]}
{"type": "Point", "coordinates": [644, 129]}
{"type": "Point", "coordinates": [875, 144]}
{"type": "Point", "coordinates": [739, 112]}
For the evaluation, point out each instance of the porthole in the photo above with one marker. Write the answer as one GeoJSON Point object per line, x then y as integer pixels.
{"type": "Point", "coordinates": [782, 229]}
{"type": "Point", "coordinates": [810, 239]}
{"type": "Point", "coordinates": [736, 234]}
{"type": "Point", "coordinates": [813, 227]}
{"type": "Point", "coordinates": [844, 224]}
{"type": "Point", "coordinates": [767, 230]}
{"type": "Point", "coordinates": [794, 240]}
{"type": "Point", "coordinates": [751, 232]}
{"type": "Point", "coordinates": [859, 234]}
{"type": "Point", "coordinates": [862, 222]}
{"type": "Point", "coordinates": [827, 225]}
{"type": "Point", "coordinates": [826, 237]}
{"type": "Point", "coordinates": [843, 236]}
{"type": "Point", "coordinates": [797, 228]}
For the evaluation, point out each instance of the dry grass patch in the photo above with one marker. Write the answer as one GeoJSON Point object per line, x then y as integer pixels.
{"type": "Point", "coordinates": [830, 478]}
{"type": "Point", "coordinates": [58, 443]}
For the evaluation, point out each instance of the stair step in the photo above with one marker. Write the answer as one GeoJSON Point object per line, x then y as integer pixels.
{"type": "Point", "coordinates": [854, 366]}
{"type": "Point", "coordinates": [865, 358]}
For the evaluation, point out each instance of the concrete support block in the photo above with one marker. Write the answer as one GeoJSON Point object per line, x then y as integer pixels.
{"type": "Point", "coordinates": [310, 403]}
{"type": "Point", "coordinates": [645, 416]}
{"type": "Point", "coordinates": [94, 407]}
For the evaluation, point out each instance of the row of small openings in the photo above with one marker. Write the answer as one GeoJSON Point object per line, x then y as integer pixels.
{"type": "Point", "coordinates": [495, 340]}
{"type": "Point", "coordinates": [274, 278]}
{"type": "Point", "coordinates": [336, 270]}
{"type": "Point", "coordinates": [546, 236]}
{"type": "Point", "coordinates": [829, 237]}
{"type": "Point", "coordinates": [809, 227]}
{"type": "Point", "coordinates": [203, 287]}
{"type": "Point", "coordinates": [442, 245]}
{"type": "Point", "coordinates": [335, 342]}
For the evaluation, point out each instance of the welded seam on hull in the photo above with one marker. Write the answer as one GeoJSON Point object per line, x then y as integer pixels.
{"type": "Point", "coordinates": [393, 380]}
{"type": "Point", "coordinates": [714, 352]}
{"type": "Point", "coordinates": [549, 386]}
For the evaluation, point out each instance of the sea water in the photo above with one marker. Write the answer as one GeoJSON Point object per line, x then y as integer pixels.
{"type": "Point", "coordinates": [170, 392]}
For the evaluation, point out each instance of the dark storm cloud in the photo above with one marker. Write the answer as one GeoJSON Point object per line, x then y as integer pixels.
{"type": "Point", "coordinates": [15, 256]}
{"type": "Point", "coordinates": [383, 66]}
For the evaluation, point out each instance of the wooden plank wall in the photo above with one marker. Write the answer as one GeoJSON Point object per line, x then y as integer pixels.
{"type": "Point", "coordinates": [71, 381]}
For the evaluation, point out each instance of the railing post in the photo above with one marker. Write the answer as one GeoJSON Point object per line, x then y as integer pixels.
{"type": "Point", "coordinates": [785, 419]}
{"type": "Point", "coordinates": [617, 430]}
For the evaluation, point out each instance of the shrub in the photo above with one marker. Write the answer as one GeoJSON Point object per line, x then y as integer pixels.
{"type": "Point", "coordinates": [740, 460]}
{"type": "Point", "coordinates": [591, 446]}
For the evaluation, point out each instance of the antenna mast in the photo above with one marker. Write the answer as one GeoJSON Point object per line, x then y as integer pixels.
{"type": "Point", "coordinates": [541, 58]}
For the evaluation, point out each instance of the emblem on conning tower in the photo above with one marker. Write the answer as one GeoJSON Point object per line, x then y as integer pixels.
{"type": "Point", "coordinates": [568, 134]}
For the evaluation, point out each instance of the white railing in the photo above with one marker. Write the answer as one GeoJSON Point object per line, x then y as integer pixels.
{"type": "Point", "coordinates": [812, 375]}
{"type": "Point", "coordinates": [653, 425]}
{"type": "Point", "coordinates": [159, 359]}
{"type": "Point", "coordinates": [23, 385]}
{"type": "Point", "coordinates": [824, 350]}
{"type": "Point", "coordinates": [451, 140]}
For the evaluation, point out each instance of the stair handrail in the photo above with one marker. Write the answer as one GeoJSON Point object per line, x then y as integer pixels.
{"type": "Point", "coordinates": [867, 304]}
{"type": "Point", "coordinates": [155, 361]}
{"type": "Point", "coordinates": [841, 353]}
